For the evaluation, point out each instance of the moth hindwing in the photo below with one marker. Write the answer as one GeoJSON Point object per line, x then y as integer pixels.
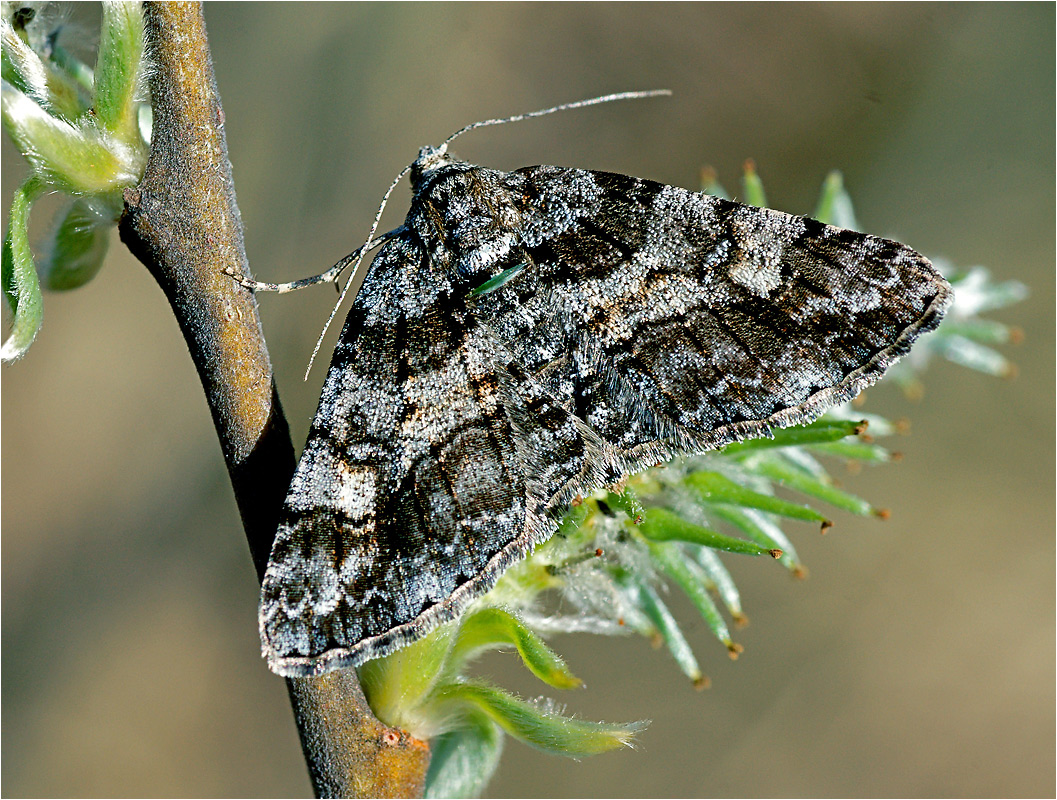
{"type": "Point", "coordinates": [530, 336]}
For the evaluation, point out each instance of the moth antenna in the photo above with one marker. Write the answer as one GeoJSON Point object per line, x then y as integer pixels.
{"type": "Point", "coordinates": [608, 98]}
{"type": "Point", "coordinates": [356, 265]}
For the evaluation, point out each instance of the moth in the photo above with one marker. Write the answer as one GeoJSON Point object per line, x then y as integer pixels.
{"type": "Point", "coordinates": [526, 337]}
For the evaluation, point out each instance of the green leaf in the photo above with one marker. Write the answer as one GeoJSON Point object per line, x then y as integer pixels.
{"type": "Point", "coordinates": [983, 331]}
{"type": "Point", "coordinates": [759, 527]}
{"type": "Point", "coordinates": [821, 430]}
{"type": "Point", "coordinates": [754, 194]}
{"type": "Point", "coordinates": [628, 502]}
{"type": "Point", "coordinates": [662, 525]}
{"type": "Point", "coordinates": [720, 581]}
{"type": "Point", "coordinates": [490, 628]}
{"type": "Point", "coordinates": [397, 684]}
{"type": "Point", "coordinates": [814, 486]}
{"type": "Point", "coordinates": [875, 425]}
{"type": "Point", "coordinates": [462, 761]}
{"type": "Point", "coordinates": [855, 451]}
{"type": "Point", "coordinates": [541, 571]}
{"type": "Point", "coordinates": [969, 354]}
{"type": "Point", "coordinates": [118, 67]}
{"type": "Point", "coordinates": [574, 517]}
{"type": "Point", "coordinates": [834, 206]}
{"type": "Point", "coordinates": [67, 99]}
{"type": "Point", "coordinates": [78, 246]}
{"type": "Point", "coordinates": [710, 184]}
{"type": "Point", "coordinates": [22, 67]}
{"type": "Point", "coordinates": [798, 458]}
{"type": "Point", "coordinates": [46, 81]}
{"type": "Point", "coordinates": [73, 158]}
{"type": "Point", "coordinates": [714, 487]}
{"type": "Point", "coordinates": [526, 722]}
{"type": "Point", "coordinates": [677, 565]}
{"type": "Point", "coordinates": [975, 292]}
{"type": "Point", "coordinates": [658, 614]}
{"type": "Point", "coordinates": [20, 284]}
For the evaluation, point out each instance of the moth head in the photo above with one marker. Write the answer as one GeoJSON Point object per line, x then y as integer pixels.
{"type": "Point", "coordinates": [429, 159]}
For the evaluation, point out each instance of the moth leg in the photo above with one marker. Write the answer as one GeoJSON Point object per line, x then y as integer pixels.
{"type": "Point", "coordinates": [330, 276]}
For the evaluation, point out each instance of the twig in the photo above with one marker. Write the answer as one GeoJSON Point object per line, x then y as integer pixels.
{"type": "Point", "coordinates": [183, 223]}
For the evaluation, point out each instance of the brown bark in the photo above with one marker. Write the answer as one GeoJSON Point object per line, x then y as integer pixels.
{"type": "Point", "coordinates": [182, 221]}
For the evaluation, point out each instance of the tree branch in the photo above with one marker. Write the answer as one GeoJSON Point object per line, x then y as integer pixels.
{"type": "Point", "coordinates": [183, 223]}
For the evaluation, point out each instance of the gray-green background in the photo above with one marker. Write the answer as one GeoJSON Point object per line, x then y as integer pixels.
{"type": "Point", "coordinates": [918, 659]}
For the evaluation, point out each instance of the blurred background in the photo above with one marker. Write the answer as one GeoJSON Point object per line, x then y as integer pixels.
{"type": "Point", "coordinates": [917, 659]}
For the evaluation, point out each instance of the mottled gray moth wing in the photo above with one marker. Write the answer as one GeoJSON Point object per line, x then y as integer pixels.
{"type": "Point", "coordinates": [534, 335]}
{"type": "Point", "coordinates": [428, 470]}
{"type": "Point", "coordinates": [673, 322]}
